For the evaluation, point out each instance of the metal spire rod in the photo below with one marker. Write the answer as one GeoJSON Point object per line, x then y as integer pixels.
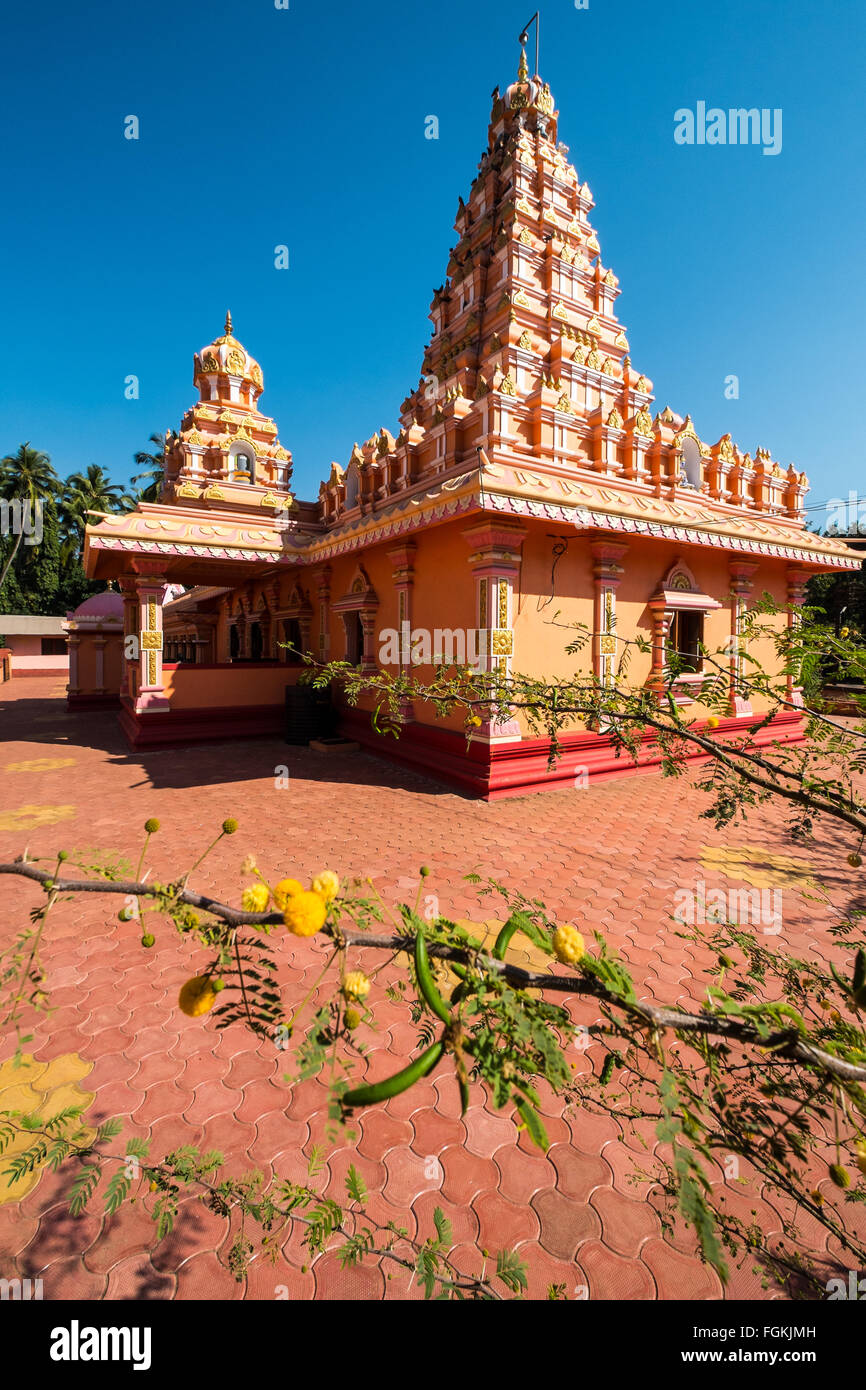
{"type": "Point", "coordinates": [524, 36]}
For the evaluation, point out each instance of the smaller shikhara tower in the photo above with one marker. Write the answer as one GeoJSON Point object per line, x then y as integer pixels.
{"type": "Point", "coordinates": [528, 360]}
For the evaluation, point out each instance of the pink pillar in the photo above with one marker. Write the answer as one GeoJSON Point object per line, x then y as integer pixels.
{"type": "Point", "coordinates": [741, 586]}
{"type": "Point", "coordinates": [797, 580]}
{"type": "Point", "coordinates": [607, 573]}
{"type": "Point", "coordinates": [495, 561]}
{"type": "Point", "coordinates": [150, 591]}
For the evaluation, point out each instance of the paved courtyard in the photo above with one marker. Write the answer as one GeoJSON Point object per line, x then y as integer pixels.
{"type": "Point", "coordinates": [609, 857]}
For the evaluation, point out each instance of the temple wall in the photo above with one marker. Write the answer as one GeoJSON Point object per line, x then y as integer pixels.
{"type": "Point", "coordinates": [227, 685]}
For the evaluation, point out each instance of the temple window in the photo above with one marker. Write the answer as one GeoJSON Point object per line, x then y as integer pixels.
{"type": "Point", "coordinates": [234, 643]}
{"type": "Point", "coordinates": [256, 642]}
{"type": "Point", "coordinates": [354, 638]}
{"type": "Point", "coordinates": [685, 638]}
{"type": "Point", "coordinates": [294, 639]}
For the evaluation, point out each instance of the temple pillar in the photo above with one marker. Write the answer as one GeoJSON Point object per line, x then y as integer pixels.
{"type": "Point", "coordinates": [741, 586]}
{"type": "Point", "coordinates": [661, 620]}
{"type": "Point", "coordinates": [323, 593]}
{"type": "Point", "coordinates": [150, 590]}
{"type": "Point", "coordinates": [130, 630]}
{"type": "Point", "coordinates": [402, 559]}
{"type": "Point", "coordinates": [99, 645]}
{"type": "Point", "coordinates": [73, 643]}
{"type": "Point", "coordinates": [495, 562]}
{"type": "Point", "coordinates": [797, 580]}
{"type": "Point", "coordinates": [607, 573]}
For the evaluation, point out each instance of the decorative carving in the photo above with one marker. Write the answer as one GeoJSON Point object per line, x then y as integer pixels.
{"type": "Point", "coordinates": [501, 642]}
{"type": "Point", "coordinates": [151, 640]}
{"type": "Point", "coordinates": [503, 602]}
{"type": "Point", "coordinates": [614, 419]}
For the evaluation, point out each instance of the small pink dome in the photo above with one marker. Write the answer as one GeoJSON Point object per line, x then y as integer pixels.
{"type": "Point", "coordinates": [107, 605]}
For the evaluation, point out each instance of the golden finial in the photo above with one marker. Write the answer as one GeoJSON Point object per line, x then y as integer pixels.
{"type": "Point", "coordinates": [228, 327]}
{"type": "Point", "coordinates": [523, 70]}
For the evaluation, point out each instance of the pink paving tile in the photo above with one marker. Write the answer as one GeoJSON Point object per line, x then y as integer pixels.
{"type": "Point", "coordinates": [502, 1224]}
{"type": "Point", "coordinates": [626, 1223]}
{"type": "Point", "coordinates": [485, 1133]}
{"type": "Point", "coordinates": [677, 1276]}
{"type": "Point", "coordinates": [409, 1176]}
{"type": "Point", "coordinates": [380, 1131]}
{"type": "Point", "coordinates": [565, 1224]}
{"type": "Point", "coordinates": [612, 1277]}
{"type": "Point", "coordinates": [204, 1277]}
{"type": "Point", "coordinates": [135, 1278]}
{"type": "Point", "coordinates": [522, 1174]}
{"type": "Point", "coordinates": [59, 1235]}
{"type": "Point", "coordinates": [465, 1175]}
{"type": "Point", "coordinates": [363, 1283]}
{"type": "Point", "coordinates": [578, 1174]}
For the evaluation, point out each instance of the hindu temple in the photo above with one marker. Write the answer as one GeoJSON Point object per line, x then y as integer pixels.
{"type": "Point", "coordinates": [529, 484]}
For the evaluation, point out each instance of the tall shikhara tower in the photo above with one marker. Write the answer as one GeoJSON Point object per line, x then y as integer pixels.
{"type": "Point", "coordinates": [526, 317]}
{"type": "Point", "coordinates": [528, 361]}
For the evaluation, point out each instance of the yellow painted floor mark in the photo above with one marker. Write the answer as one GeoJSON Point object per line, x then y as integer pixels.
{"type": "Point", "coordinates": [40, 765]}
{"type": "Point", "coordinates": [30, 817]}
{"type": "Point", "coordinates": [37, 1088]}
{"type": "Point", "coordinates": [758, 867]}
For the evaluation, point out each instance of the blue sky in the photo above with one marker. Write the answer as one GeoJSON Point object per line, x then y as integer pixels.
{"type": "Point", "coordinates": [305, 127]}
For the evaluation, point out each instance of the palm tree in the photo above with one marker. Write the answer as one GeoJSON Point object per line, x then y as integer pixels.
{"type": "Point", "coordinates": [91, 491]}
{"type": "Point", "coordinates": [154, 467]}
{"type": "Point", "coordinates": [26, 476]}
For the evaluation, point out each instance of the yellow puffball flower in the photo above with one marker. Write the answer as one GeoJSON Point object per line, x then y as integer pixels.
{"type": "Point", "coordinates": [474, 721]}
{"type": "Point", "coordinates": [844, 631]}
{"type": "Point", "coordinates": [304, 914]}
{"type": "Point", "coordinates": [197, 996]}
{"type": "Point", "coordinates": [285, 889]}
{"type": "Point", "coordinates": [568, 944]}
{"type": "Point", "coordinates": [255, 899]}
{"type": "Point", "coordinates": [326, 884]}
{"type": "Point", "coordinates": [356, 985]}
{"type": "Point", "coordinates": [713, 722]}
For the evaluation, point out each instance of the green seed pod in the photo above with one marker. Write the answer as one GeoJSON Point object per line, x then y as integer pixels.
{"type": "Point", "coordinates": [430, 994]}
{"type": "Point", "coordinates": [841, 1177]}
{"type": "Point", "coordinates": [148, 940]}
{"type": "Point", "coordinates": [504, 938]}
{"type": "Point", "coordinates": [396, 1084]}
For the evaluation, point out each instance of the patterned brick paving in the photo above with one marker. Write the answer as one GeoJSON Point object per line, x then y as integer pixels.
{"type": "Point", "coordinates": [608, 857]}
